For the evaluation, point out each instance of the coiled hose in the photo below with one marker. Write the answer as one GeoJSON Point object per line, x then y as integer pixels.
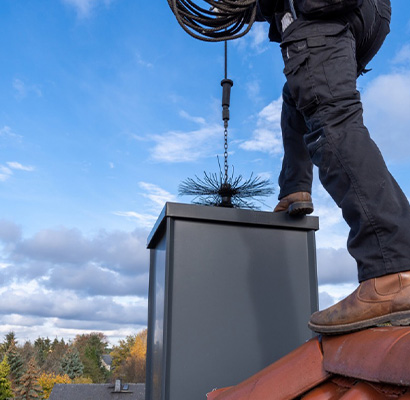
{"type": "Point", "coordinates": [223, 20]}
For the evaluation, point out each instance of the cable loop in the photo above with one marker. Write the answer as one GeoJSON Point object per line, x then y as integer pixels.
{"type": "Point", "coordinates": [223, 20]}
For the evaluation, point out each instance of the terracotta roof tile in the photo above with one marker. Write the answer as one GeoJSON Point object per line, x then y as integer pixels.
{"type": "Point", "coordinates": [372, 364]}
{"type": "Point", "coordinates": [363, 391]}
{"type": "Point", "coordinates": [360, 390]}
{"type": "Point", "coordinates": [326, 391]}
{"type": "Point", "coordinates": [215, 393]}
{"type": "Point", "coordinates": [376, 355]}
{"type": "Point", "coordinates": [287, 378]}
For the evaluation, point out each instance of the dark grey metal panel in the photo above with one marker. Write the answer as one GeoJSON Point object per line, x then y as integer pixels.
{"type": "Point", "coordinates": [244, 304]}
{"type": "Point", "coordinates": [312, 265]}
{"type": "Point", "coordinates": [236, 296]}
{"type": "Point", "coordinates": [231, 215]}
{"type": "Point", "coordinates": [156, 363]}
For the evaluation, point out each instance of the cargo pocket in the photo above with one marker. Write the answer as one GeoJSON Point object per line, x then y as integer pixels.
{"type": "Point", "coordinates": [299, 78]}
{"type": "Point", "coordinates": [324, 69]}
{"type": "Point", "coordinates": [340, 73]}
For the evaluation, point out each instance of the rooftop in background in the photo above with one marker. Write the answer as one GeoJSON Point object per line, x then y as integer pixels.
{"type": "Point", "coordinates": [371, 364]}
{"type": "Point", "coordinates": [105, 391]}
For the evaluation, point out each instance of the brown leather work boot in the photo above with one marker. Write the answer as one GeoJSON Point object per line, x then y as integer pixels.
{"type": "Point", "coordinates": [299, 203]}
{"type": "Point", "coordinates": [376, 301]}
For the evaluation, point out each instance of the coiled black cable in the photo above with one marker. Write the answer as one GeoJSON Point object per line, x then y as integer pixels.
{"type": "Point", "coordinates": [223, 20]}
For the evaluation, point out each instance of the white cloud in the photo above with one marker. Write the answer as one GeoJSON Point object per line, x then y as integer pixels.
{"type": "Point", "coordinates": [142, 62]}
{"type": "Point", "coordinates": [265, 175]}
{"type": "Point", "coordinates": [403, 56]}
{"type": "Point", "coordinates": [156, 194]}
{"type": "Point", "coordinates": [198, 120]}
{"type": "Point", "coordinates": [259, 37]}
{"type": "Point", "coordinates": [386, 102]}
{"type": "Point", "coordinates": [336, 266]}
{"type": "Point", "coordinates": [18, 166]}
{"type": "Point", "coordinates": [5, 173]}
{"type": "Point", "coordinates": [333, 229]}
{"type": "Point", "coordinates": [157, 198]}
{"type": "Point", "coordinates": [332, 293]}
{"type": "Point", "coordinates": [68, 306]}
{"type": "Point", "coordinates": [71, 282]}
{"type": "Point", "coordinates": [22, 90]}
{"type": "Point", "coordinates": [7, 133]}
{"type": "Point", "coordinates": [83, 8]}
{"type": "Point", "coordinates": [267, 136]}
{"type": "Point", "coordinates": [9, 231]}
{"type": "Point", "coordinates": [175, 146]}
{"type": "Point", "coordinates": [256, 39]}
{"type": "Point", "coordinates": [143, 220]}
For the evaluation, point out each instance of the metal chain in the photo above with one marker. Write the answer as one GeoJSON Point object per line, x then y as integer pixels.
{"type": "Point", "coordinates": [226, 155]}
{"type": "Point", "coordinates": [226, 117]}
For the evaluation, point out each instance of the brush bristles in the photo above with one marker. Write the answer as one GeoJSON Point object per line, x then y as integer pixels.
{"type": "Point", "coordinates": [214, 190]}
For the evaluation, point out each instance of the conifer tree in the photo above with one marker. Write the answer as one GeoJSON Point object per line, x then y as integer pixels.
{"type": "Point", "coordinates": [16, 363]}
{"type": "Point", "coordinates": [9, 340]}
{"type": "Point", "coordinates": [5, 384]}
{"type": "Point", "coordinates": [71, 364]}
{"type": "Point", "coordinates": [29, 388]}
{"type": "Point", "coordinates": [42, 348]}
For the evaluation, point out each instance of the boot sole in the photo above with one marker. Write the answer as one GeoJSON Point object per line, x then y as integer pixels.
{"type": "Point", "coordinates": [401, 318]}
{"type": "Point", "coordinates": [300, 208]}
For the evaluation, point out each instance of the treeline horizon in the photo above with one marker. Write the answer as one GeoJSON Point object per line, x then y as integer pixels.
{"type": "Point", "coordinates": [37, 366]}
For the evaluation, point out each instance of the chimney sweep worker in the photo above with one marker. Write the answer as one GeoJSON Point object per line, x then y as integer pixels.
{"type": "Point", "coordinates": [325, 46]}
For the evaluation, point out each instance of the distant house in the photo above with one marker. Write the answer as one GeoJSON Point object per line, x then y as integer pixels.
{"type": "Point", "coordinates": [104, 391]}
{"type": "Point", "coordinates": [106, 361]}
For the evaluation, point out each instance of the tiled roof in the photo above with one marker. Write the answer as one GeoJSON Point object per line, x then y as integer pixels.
{"type": "Point", "coordinates": [103, 391]}
{"type": "Point", "coordinates": [371, 364]}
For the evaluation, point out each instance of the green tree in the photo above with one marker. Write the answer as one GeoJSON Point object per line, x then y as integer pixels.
{"type": "Point", "coordinates": [71, 364]}
{"type": "Point", "coordinates": [9, 340]}
{"type": "Point", "coordinates": [91, 348]}
{"type": "Point", "coordinates": [5, 384]}
{"type": "Point", "coordinates": [121, 352]}
{"type": "Point", "coordinates": [42, 348]}
{"type": "Point", "coordinates": [29, 388]}
{"type": "Point", "coordinates": [16, 364]}
{"type": "Point", "coordinates": [27, 352]}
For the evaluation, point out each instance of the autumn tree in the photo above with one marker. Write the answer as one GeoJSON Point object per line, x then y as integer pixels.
{"type": "Point", "coordinates": [122, 351]}
{"type": "Point", "coordinates": [71, 364]}
{"type": "Point", "coordinates": [29, 388]}
{"type": "Point", "coordinates": [81, 380]}
{"type": "Point", "coordinates": [5, 384]}
{"type": "Point", "coordinates": [139, 353]}
{"type": "Point", "coordinates": [47, 382]}
{"type": "Point", "coordinates": [132, 367]}
{"type": "Point", "coordinates": [52, 364]}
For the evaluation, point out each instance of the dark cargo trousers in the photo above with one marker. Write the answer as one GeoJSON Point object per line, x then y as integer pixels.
{"type": "Point", "coordinates": [322, 124]}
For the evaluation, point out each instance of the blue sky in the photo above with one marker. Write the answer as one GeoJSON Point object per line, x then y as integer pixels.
{"type": "Point", "coordinates": [106, 106]}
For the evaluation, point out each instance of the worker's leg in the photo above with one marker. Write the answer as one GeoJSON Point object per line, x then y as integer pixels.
{"type": "Point", "coordinates": [296, 173]}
